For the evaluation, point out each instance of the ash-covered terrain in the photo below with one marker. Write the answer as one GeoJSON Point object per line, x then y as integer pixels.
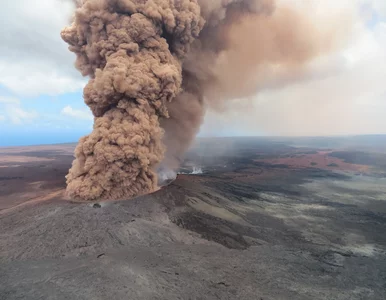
{"type": "Point", "coordinates": [260, 219]}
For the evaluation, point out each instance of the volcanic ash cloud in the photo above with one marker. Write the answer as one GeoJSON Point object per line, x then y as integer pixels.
{"type": "Point", "coordinates": [154, 67]}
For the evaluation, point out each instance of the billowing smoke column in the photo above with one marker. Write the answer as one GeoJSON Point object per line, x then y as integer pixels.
{"type": "Point", "coordinates": [155, 65]}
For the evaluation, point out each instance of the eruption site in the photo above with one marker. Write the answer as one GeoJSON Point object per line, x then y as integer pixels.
{"type": "Point", "coordinates": [156, 65]}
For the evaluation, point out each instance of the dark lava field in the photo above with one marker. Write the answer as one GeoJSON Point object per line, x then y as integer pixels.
{"type": "Point", "coordinates": [260, 218]}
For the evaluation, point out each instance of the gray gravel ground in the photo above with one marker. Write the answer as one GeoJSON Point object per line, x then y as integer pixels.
{"type": "Point", "coordinates": [189, 241]}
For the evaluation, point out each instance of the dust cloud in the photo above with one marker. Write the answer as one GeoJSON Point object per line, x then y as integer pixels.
{"type": "Point", "coordinates": [156, 66]}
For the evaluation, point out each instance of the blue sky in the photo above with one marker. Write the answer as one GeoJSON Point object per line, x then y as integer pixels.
{"type": "Point", "coordinates": [40, 90]}
{"type": "Point", "coordinates": [43, 118]}
{"type": "Point", "coordinates": [342, 93]}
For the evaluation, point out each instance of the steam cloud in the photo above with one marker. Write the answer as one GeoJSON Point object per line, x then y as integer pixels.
{"type": "Point", "coordinates": [154, 68]}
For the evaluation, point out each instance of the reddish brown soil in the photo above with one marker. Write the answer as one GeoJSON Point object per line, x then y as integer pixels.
{"type": "Point", "coordinates": [34, 174]}
{"type": "Point", "coordinates": [29, 175]}
{"type": "Point", "coordinates": [320, 160]}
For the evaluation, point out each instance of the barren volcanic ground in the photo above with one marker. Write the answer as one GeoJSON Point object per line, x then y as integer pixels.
{"type": "Point", "coordinates": [267, 219]}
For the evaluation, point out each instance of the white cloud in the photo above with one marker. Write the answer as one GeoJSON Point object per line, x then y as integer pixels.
{"type": "Point", "coordinates": [379, 6]}
{"type": "Point", "coordinates": [40, 79]}
{"type": "Point", "coordinates": [345, 93]}
{"type": "Point", "coordinates": [2, 118]}
{"type": "Point", "coordinates": [13, 111]}
{"type": "Point", "coordinates": [19, 116]}
{"type": "Point", "coordinates": [33, 58]}
{"type": "Point", "coordinates": [8, 100]}
{"type": "Point", "coordinates": [77, 114]}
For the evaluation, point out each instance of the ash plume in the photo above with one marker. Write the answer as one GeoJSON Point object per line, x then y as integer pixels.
{"type": "Point", "coordinates": [154, 68]}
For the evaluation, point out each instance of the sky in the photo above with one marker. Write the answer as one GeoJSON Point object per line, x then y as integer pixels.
{"type": "Point", "coordinates": [342, 93]}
